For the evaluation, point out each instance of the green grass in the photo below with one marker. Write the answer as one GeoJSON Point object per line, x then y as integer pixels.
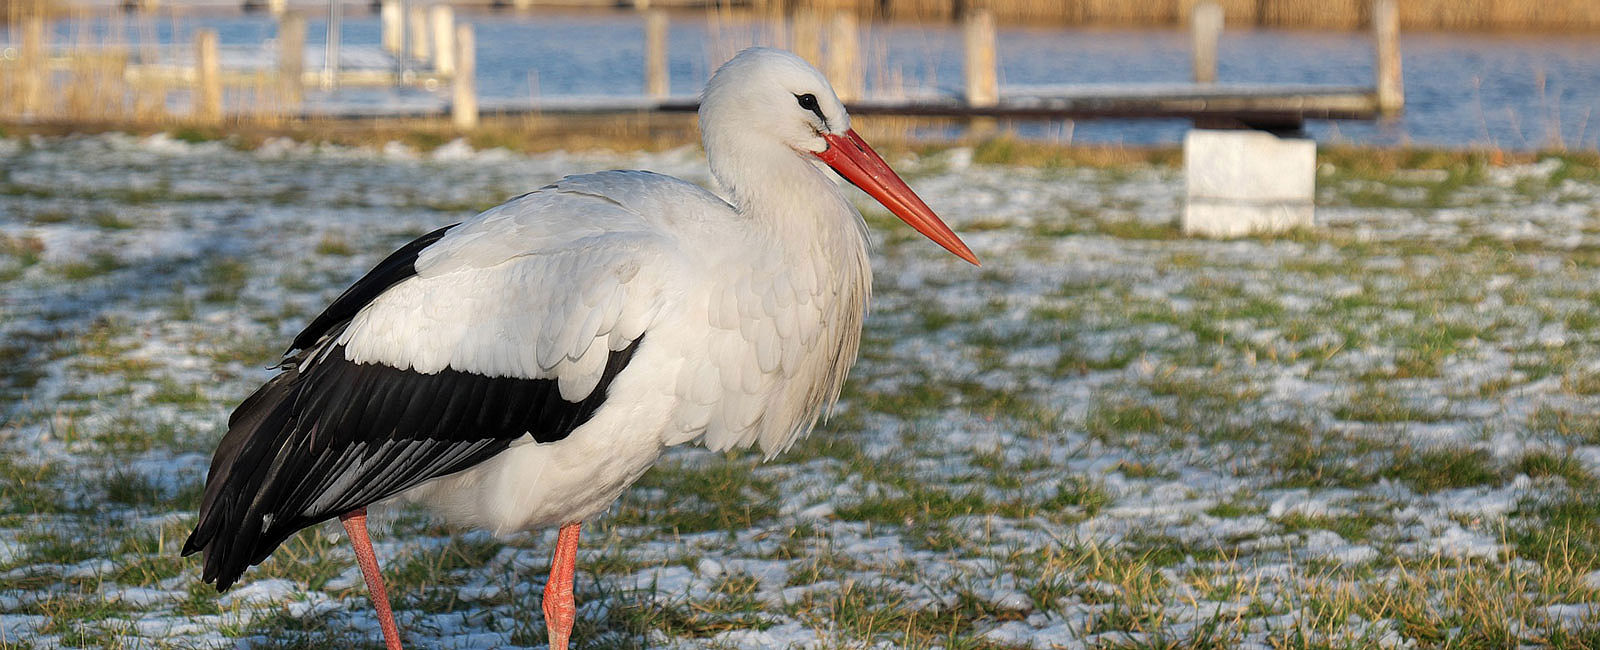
{"type": "Point", "coordinates": [1115, 418]}
{"type": "Point", "coordinates": [98, 264]}
{"type": "Point", "coordinates": [1562, 531]}
{"type": "Point", "coordinates": [912, 502]}
{"type": "Point", "coordinates": [1197, 380]}
{"type": "Point", "coordinates": [18, 254]}
{"type": "Point", "coordinates": [1564, 466]}
{"type": "Point", "coordinates": [1234, 508]}
{"type": "Point", "coordinates": [1581, 427]}
{"type": "Point", "coordinates": [225, 279]}
{"type": "Point", "coordinates": [721, 495]}
{"type": "Point", "coordinates": [1310, 459]}
{"type": "Point", "coordinates": [1444, 468]}
{"type": "Point", "coordinates": [334, 245]}
{"type": "Point", "coordinates": [21, 369]}
{"type": "Point", "coordinates": [30, 488]}
{"type": "Point", "coordinates": [1352, 528]}
{"type": "Point", "coordinates": [1374, 404]}
{"type": "Point", "coordinates": [111, 221]}
{"type": "Point", "coordinates": [128, 488]}
{"type": "Point", "coordinates": [169, 391]}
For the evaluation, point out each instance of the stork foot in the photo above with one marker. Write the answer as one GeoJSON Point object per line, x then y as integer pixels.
{"type": "Point", "coordinates": [355, 525]}
{"type": "Point", "coordinates": [560, 611]}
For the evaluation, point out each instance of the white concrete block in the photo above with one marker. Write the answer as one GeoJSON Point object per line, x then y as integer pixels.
{"type": "Point", "coordinates": [1247, 182]}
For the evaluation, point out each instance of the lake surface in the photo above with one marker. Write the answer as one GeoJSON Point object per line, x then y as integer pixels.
{"type": "Point", "coordinates": [1508, 91]}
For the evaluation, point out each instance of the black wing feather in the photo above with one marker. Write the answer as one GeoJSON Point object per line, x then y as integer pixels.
{"type": "Point", "coordinates": [328, 436]}
{"type": "Point", "coordinates": [337, 435]}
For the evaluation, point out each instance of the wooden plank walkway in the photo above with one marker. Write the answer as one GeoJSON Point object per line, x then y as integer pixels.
{"type": "Point", "coordinates": [1183, 101]}
{"type": "Point", "coordinates": [1260, 105]}
{"type": "Point", "coordinates": [205, 68]}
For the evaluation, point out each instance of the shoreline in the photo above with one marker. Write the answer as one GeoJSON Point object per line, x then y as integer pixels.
{"type": "Point", "coordinates": [660, 132]}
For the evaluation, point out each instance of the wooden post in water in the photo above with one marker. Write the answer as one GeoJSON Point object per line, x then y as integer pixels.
{"type": "Point", "coordinates": [277, 7]}
{"type": "Point", "coordinates": [464, 106]}
{"type": "Point", "coordinates": [1391, 84]}
{"type": "Point", "coordinates": [208, 78]}
{"type": "Point", "coordinates": [291, 56]}
{"type": "Point", "coordinates": [1207, 29]}
{"type": "Point", "coordinates": [983, 88]}
{"type": "Point", "coordinates": [35, 65]}
{"type": "Point", "coordinates": [443, 19]}
{"type": "Point", "coordinates": [844, 54]}
{"type": "Point", "coordinates": [657, 83]}
{"type": "Point", "coordinates": [389, 15]}
{"type": "Point", "coordinates": [418, 22]}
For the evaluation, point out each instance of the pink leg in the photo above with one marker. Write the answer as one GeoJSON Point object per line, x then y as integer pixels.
{"type": "Point", "coordinates": [355, 524]}
{"type": "Point", "coordinates": [559, 610]}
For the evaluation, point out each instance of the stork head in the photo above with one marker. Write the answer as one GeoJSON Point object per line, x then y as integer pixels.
{"type": "Point", "coordinates": [768, 102]}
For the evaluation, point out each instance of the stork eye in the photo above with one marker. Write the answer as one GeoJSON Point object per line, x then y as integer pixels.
{"type": "Point", "coordinates": [808, 101]}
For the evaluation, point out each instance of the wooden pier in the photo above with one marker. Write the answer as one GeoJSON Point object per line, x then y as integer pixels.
{"type": "Point", "coordinates": [426, 47]}
{"type": "Point", "coordinates": [1206, 102]}
{"type": "Point", "coordinates": [1266, 106]}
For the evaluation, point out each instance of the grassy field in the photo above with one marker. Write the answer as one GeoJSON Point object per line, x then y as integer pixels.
{"type": "Point", "coordinates": [1382, 432]}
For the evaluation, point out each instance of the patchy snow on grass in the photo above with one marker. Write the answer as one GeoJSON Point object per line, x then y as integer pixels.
{"type": "Point", "coordinates": [1109, 436]}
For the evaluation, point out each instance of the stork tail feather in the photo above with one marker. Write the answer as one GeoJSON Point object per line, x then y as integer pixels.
{"type": "Point", "coordinates": [225, 532]}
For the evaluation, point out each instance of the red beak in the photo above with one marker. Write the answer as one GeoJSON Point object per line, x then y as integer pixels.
{"type": "Point", "coordinates": [849, 155]}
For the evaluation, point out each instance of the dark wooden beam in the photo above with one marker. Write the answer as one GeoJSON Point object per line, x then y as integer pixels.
{"type": "Point", "coordinates": [1256, 106]}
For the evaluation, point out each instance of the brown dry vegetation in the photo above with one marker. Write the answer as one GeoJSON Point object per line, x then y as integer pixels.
{"type": "Point", "coordinates": [657, 132]}
{"type": "Point", "coordinates": [1540, 15]}
{"type": "Point", "coordinates": [91, 79]}
{"type": "Point", "coordinates": [12, 10]}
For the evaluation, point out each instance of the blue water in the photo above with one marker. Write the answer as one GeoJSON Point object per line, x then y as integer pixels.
{"type": "Point", "coordinates": [1508, 91]}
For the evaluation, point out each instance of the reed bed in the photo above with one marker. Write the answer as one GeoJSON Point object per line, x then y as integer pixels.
{"type": "Point", "coordinates": [1518, 15]}
{"type": "Point", "coordinates": [109, 66]}
{"type": "Point", "coordinates": [80, 66]}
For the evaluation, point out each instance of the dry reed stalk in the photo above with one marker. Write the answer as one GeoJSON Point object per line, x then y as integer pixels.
{"type": "Point", "coordinates": [728, 31]}
{"type": "Point", "coordinates": [33, 64]}
{"type": "Point", "coordinates": [1553, 15]}
{"type": "Point", "coordinates": [844, 55]}
{"type": "Point", "coordinates": [806, 35]}
{"type": "Point", "coordinates": [1542, 15]}
{"type": "Point", "coordinates": [88, 80]}
{"type": "Point", "coordinates": [1322, 14]}
{"type": "Point", "coordinates": [13, 11]}
{"type": "Point", "coordinates": [150, 102]}
{"type": "Point", "coordinates": [1239, 12]}
{"type": "Point", "coordinates": [1423, 15]}
{"type": "Point", "coordinates": [919, 10]}
{"type": "Point", "coordinates": [830, 6]}
{"type": "Point", "coordinates": [93, 91]}
{"type": "Point", "coordinates": [1158, 12]}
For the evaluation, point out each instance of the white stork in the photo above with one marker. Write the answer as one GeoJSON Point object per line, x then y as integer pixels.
{"type": "Point", "coordinates": [520, 369]}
